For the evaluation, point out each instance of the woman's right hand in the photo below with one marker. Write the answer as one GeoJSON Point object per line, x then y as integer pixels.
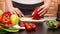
{"type": "Point", "coordinates": [16, 11]}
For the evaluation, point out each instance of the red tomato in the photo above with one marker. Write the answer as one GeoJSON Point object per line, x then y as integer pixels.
{"type": "Point", "coordinates": [6, 18]}
{"type": "Point", "coordinates": [33, 26]}
{"type": "Point", "coordinates": [28, 28]}
{"type": "Point", "coordinates": [22, 25]}
{"type": "Point", "coordinates": [35, 15]}
{"type": "Point", "coordinates": [26, 24]}
{"type": "Point", "coordinates": [1, 27]}
{"type": "Point", "coordinates": [58, 24]}
{"type": "Point", "coordinates": [30, 24]}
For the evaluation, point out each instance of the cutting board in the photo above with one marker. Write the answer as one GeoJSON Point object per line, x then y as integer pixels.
{"type": "Point", "coordinates": [29, 19]}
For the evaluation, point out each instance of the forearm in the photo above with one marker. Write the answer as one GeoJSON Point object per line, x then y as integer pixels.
{"type": "Point", "coordinates": [9, 3]}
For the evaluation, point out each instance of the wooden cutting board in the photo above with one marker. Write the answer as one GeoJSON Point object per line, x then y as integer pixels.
{"type": "Point", "coordinates": [29, 19]}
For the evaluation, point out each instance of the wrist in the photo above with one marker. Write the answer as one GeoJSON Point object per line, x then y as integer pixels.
{"type": "Point", "coordinates": [10, 7]}
{"type": "Point", "coordinates": [47, 3]}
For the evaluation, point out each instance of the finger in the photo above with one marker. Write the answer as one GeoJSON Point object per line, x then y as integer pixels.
{"type": "Point", "coordinates": [12, 12]}
{"type": "Point", "coordinates": [36, 9]}
{"type": "Point", "coordinates": [42, 10]}
{"type": "Point", "coordinates": [43, 13]}
{"type": "Point", "coordinates": [32, 13]}
{"type": "Point", "coordinates": [19, 12]}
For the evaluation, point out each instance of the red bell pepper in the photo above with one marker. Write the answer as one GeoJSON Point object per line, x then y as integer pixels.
{"type": "Point", "coordinates": [6, 18]}
{"type": "Point", "coordinates": [35, 15]}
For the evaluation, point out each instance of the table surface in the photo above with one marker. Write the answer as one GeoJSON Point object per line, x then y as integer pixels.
{"type": "Point", "coordinates": [41, 29]}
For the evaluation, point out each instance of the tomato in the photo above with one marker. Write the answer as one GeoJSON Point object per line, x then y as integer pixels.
{"type": "Point", "coordinates": [26, 24]}
{"type": "Point", "coordinates": [30, 24]}
{"type": "Point", "coordinates": [58, 25]}
{"type": "Point", "coordinates": [28, 28]}
{"type": "Point", "coordinates": [22, 25]}
{"type": "Point", "coordinates": [1, 27]}
{"type": "Point", "coordinates": [6, 17]}
{"type": "Point", "coordinates": [35, 15]}
{"type": "Point", "coordinates": [33, 26]}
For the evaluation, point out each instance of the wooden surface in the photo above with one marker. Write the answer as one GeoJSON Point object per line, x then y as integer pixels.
{"type": "Point", "coordinates": [58, 1]}
{"type": "Point", "coordinates": [53, 8]}
{"type": "Point", "coordinates": [2, 5]}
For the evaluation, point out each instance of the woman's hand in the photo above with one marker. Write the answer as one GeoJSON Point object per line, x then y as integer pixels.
{"type": "Point", "coordinates": [42, 9]}
{"type": "Point", "coordinates": [13, 10]}
{"type": "Point", "coordinates": [16, 11]}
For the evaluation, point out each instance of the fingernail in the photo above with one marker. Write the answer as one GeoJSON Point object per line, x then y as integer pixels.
{"type": "Point", "coordinates": [22, 15]}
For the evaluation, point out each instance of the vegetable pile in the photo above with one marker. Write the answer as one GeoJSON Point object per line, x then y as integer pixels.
{"type": "Point", "coordinates": [52, 24]}
{"type": "Point", "coordinates": [29, 26]}
{"type": "Point", "coordinates": [9, 22]}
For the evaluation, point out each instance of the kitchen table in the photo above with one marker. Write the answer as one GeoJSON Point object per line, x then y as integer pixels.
{"type": "Point", "coordinates": [41, 29]}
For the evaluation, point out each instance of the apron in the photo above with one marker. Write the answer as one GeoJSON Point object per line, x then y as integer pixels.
{"type": "Point", "coordinates": [27, 9]}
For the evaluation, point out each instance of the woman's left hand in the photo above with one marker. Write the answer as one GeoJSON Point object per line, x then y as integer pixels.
{"type": "Point", "coordinates": [42, 9]}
